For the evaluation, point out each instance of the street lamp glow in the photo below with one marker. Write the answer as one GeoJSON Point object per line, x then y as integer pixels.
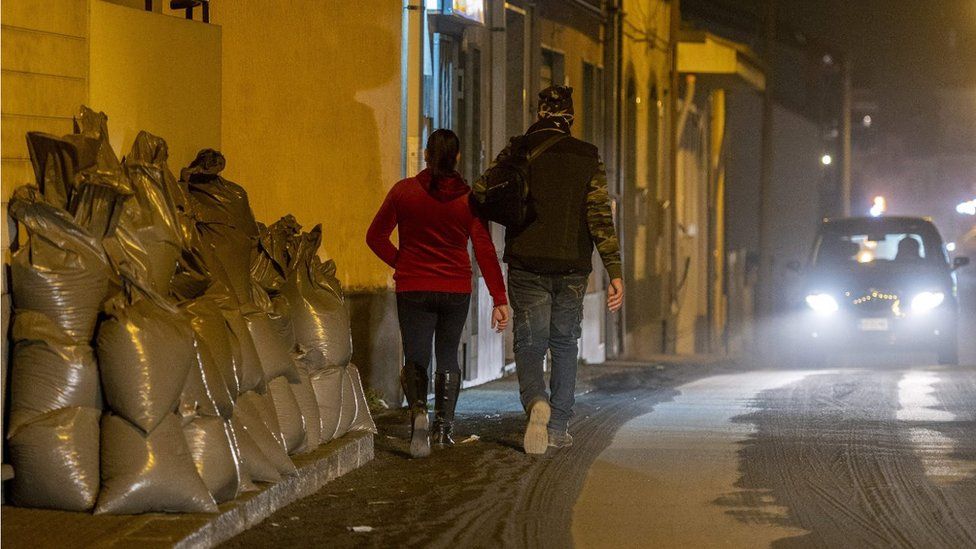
{"type": "Point", "coordinates": [826, 160]}
{"type": "Point", "coordinates": [879, 206]}
{"type": "Point", "coordinates": [967, 208]}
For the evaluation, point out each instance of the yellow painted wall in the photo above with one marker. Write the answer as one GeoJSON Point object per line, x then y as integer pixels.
{"type": "Point", "coordinates": [646, 59]}
{"type": "Point", "coordinates": [311, 116]}
{"type": "Point", "coordinates": [156, 73]}
{"type": "Point", "coordinates": [44, 77]}
{"type": "Point", "coordinates": [577, 48]}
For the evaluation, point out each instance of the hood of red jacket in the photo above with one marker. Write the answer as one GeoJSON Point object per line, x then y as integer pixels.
{"type": "Point", "coordinates": [448, 188]}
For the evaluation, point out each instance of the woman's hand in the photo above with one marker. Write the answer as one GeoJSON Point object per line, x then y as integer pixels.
{"type": "Point", "coordinates": [499, 318]}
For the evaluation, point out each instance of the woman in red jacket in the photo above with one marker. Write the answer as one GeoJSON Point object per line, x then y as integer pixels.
{"type": "Point", "coordinates": [433, 280]}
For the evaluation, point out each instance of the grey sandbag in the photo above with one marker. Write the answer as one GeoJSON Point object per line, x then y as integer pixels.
{"type": "Point", "coordinates": [210, 326]}
{"type": "Point", "coordinates": [145, 351]}
{"type": "Point", "coordinates": [231, 250]}
{"type": "Point", "coordinates": [226, 220]}
{"type": "Point", "coordinates": [276, 357]}
{"type": "Point", "coordinates": [317, 307]}
{"type": "Point", "coordinates": [80, 174]}
{"type": "Point", "coordinates": [249, 417]}
{"type": "Point", "coordinates": [101, 185]}
{"type": "Point", "coordinates": [56, 161]}
{"type": "Point", "coordinates": [350, 404]}
{"type": "Point", "coordinates": [327, 385]}
{"type": "Point", "coordinates": [235, 432]}
{"type": "Point", "coordinates": [364, 419]}
{"type": "Point", "coordinates": [49, 371]}
{"type": "Point", "coordinates": [55, 460]}
{"type": "Point", "coordinates": [269, 266]}
{"type": "Point", "coordinates": [263, 407]}
{"type": "Point", "coordinates": [283, 323]}
{"type": "Point", "coordinates": [145, 473]}
{"type": "Point", "coordinates": [250, 374]}
{"type": "Point", "coordinates": [62, 271]}
{"type": "Point", "coordinates": [252, 460]}
{"type": "Point", "coordinates": [289, 413]}
{"type": "Point", "coordinates": [215, 455]}
{"type": "Point", "coordinates": [305, 396]}
{"type": "Point", "coordinates": [205, 393]}
{"type": "Point", "coordinates": [150, 230]}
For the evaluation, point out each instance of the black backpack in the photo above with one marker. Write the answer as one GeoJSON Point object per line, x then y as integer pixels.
{"type": "Point", "coordinates": [502, 193]}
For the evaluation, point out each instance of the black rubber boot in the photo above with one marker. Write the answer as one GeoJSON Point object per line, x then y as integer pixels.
{"type": "Point", "coordinates": [447, 385]}
{"type": "Point", "coordinates": [414, 381]}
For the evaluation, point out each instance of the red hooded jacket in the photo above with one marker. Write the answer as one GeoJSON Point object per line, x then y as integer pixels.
{"type": "Point", "coordinates": [434, 227]}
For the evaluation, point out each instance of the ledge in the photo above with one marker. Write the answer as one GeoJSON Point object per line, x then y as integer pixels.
{"type": "Point", "coordinates": [42, 528]}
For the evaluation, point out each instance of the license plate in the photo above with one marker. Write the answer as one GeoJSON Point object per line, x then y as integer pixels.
{"type": "Point", "coordinates": [874, 325]}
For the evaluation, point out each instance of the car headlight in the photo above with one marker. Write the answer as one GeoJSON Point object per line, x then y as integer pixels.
{"type": "Point", "coordinates": [926, 301]}
{"type": "Point", "coordinates": [822, 303]}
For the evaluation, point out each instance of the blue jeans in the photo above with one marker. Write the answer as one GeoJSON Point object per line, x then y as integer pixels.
{"type": "Point", "coordinates": [548, 312]}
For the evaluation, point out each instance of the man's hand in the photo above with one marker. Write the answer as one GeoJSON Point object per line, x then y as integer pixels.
{"type": "Point", "coordinates": [499, 318]}
{"type": "Point", "coordinates": [615, 295]}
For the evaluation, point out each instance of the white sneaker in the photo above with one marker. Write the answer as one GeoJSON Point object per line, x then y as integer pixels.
{"type": "Point", "coordinates": [536, 432]}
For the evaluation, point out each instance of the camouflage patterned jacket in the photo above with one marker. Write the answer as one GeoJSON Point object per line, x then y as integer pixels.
{"type": "Point", "coordinates": [569, 207]}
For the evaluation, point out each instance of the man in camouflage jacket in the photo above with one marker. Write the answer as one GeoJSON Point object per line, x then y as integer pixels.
{"type": "Point", "coordinates": [549, 262]}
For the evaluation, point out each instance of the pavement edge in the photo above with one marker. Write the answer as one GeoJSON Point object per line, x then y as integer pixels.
{"type": "Point", "coordinates": [349, 453]}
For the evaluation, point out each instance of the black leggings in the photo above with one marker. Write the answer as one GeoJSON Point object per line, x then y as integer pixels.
{"type": "Point", "coordinates": [426, 316]}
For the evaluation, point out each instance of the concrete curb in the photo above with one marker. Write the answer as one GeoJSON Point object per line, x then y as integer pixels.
{"type": "Point", "coordinates": [44, 528]}
{"type": "Point", "coordinates": [245, 512]}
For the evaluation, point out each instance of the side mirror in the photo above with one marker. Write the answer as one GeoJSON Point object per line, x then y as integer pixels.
{"type": "Point", "coordinates": [959, 262]}
{"type": "Point", "coordinates": [794, 266]}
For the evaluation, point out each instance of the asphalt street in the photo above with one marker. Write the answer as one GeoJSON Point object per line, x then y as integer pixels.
{"type": "Point", "coordinates": [864, 453]}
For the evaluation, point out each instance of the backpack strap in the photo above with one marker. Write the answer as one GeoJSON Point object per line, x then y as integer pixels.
{"type": "Point", "coordinates": [542, 147]}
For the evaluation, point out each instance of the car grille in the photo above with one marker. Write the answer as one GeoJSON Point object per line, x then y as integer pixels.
{"type": "Point", "coordinates": [874, 302]}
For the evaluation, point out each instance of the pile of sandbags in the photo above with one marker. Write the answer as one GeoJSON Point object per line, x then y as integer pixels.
{"type": "Point", "coordinates": [321, 326]}
{"type": "Point", "coordinates": [222, 345]}
{"type": "Point", "coordinates": [59, 279]}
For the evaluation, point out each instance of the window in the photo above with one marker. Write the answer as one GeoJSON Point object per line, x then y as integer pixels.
{"type": "Point", "coordinates": [592, 114]}
{"type": "Point", "coordinates": [901, 248]}
{"type": "Point", "coordinates": [553, 70]}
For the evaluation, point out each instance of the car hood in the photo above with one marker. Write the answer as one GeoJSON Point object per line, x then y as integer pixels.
{"type": "Point", "coordinates": [866, 278]}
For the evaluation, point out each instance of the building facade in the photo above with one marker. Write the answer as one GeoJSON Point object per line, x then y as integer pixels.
{"type": "Point", "coordinates": [321, 107]}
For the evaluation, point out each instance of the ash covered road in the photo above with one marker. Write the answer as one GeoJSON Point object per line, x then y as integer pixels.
{"type": "Point", "coordinates": [681, 454]}
{"type": "Point", "coordinates": [684, 456]}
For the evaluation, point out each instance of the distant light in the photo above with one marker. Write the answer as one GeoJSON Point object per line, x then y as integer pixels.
{"type": "Point", "coordinates": [828, 59]}
{"type": "Point", "coordinates": [866, 121]}
{"type": "Point", "coordinates": [967, 208]}
{"type": "Point", "coordinates": [951, 247]}
{"type": "Point", "coordinates": [879, 206]}
{"type": "Point", "coordinates": [865, 256]}
{"type": "Point", "coordinates": [826, 160]}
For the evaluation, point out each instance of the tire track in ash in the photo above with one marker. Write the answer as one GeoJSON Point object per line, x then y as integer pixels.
{"type": "Point", "coordinates": [535, 508]}
{"type": "Point", "coordinates": [847, 469]}
{"type": "Point", "coordinates": [481, 494]}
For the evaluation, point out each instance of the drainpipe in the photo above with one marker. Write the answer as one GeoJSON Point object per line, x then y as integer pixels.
{"type": "Point", "coordinates": [612, 84]}
{"type": "Point", "coordinates": [845, 181]}
{"type": "Point", "coordinates": [411, 85]}
{"type": "Point", "coordinates": [670, 327]}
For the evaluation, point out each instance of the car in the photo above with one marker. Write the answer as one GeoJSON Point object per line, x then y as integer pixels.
{"type": "Point", "coordinates": [877, 283]}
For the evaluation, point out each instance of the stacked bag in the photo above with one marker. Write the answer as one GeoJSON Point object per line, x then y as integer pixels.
{"type": "Point", "coordinates": [216, 342]}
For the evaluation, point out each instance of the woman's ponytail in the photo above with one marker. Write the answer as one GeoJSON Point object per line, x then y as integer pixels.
{"type": "Point", "coordinates": [443, 146]}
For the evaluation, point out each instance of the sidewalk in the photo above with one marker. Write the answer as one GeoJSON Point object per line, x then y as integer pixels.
{"type": "Point", "coordinates": [485, 491]}
{"type": "Point", "coordinates": [42, 528]}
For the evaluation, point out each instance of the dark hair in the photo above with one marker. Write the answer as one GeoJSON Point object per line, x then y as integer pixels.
{"type": "Point", "coordinates": [443, 146]}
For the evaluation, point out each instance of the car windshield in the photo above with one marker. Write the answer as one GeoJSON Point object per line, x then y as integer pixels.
{"type": "Point", "coordinates": [898, 248]}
